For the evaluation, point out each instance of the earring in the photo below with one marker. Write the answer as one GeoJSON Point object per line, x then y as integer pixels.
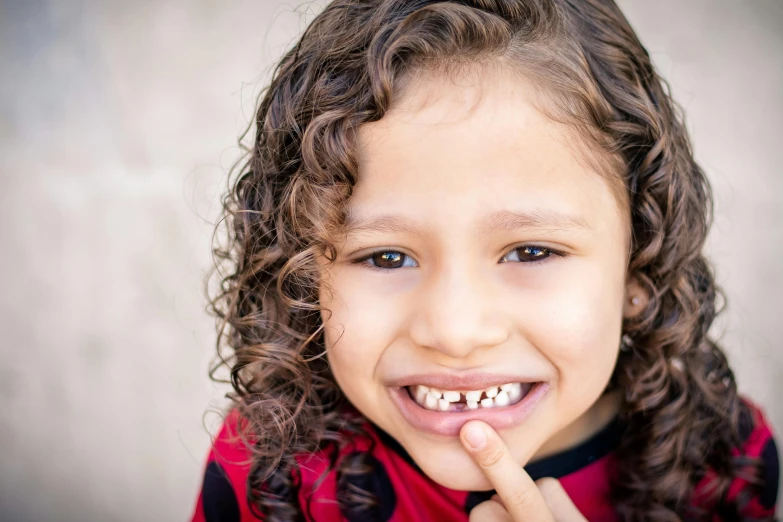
{"type": "Point", "coordinates": [626, 343]}
{"type": "Point", "coordinates": [635, 300]}
{"type": "Point", "coordinates": [676, 363]}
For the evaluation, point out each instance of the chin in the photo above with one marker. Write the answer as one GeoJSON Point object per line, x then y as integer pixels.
{"type": "Point", "coordinates": [449, 464]}
{"type": "Point", "coordinates": [453, 469]}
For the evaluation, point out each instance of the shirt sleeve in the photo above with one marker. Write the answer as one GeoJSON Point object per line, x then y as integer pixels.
{"type": "Point", "coordinates": [757, 501]}
{"type": "Point", "coordinates": [222, 496]}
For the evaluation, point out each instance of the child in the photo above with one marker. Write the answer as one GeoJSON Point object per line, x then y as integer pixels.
{"type": "Point", "coordinates": [465, 281]}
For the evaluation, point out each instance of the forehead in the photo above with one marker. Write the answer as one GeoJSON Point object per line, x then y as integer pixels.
{"type": "Point", "coordinates": [480, 144]}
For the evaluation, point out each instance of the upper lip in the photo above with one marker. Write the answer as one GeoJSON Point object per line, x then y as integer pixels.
{"type": "Point", "coordinates": [467, 381]}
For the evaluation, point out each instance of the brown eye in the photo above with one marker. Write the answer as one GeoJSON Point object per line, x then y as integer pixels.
{"type": "Point", "coordinates": [528, 254]}
{"type": "Point", "coordinates": [387, 260]}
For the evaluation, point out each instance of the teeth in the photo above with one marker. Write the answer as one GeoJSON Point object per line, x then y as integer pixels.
{"type": "Point", "coordinates": [451, 396]}
{"type": "Point", "coordinates": [515, 393]}
{"type": "Point", "coordinates": [474, 396]}
{"type": "Point", "coordinates": [494, 397]}
{"type": "Point", "coordinates": [421, 392]}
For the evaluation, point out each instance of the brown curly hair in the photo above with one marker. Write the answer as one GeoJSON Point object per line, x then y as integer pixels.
{"type": "Point", "coordinates": [289, 195]}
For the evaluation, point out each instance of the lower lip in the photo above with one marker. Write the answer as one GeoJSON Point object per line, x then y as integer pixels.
{"type": "Point", "coordinates": [448, 424]}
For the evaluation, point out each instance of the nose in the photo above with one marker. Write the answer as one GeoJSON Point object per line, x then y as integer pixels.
{"type": "Point", "coordinates": [456, 313]}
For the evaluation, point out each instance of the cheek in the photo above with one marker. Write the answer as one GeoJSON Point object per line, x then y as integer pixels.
{"type": "Point", "coordinates": [356, 330]}
{"type": "Point", "coordinates": [578, 329]}
{"type": "Point", "coordinates": [587, 331]}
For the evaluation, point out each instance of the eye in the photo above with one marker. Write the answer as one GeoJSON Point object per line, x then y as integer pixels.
{"type": "Point", "coordinates": [529, 254]}
{"type": "Point", "coordinates": [387, 260]}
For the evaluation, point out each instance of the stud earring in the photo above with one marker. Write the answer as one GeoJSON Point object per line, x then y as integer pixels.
{"type": "Point", "coordinates": [626, 343]}
{"type": "Point", "coordinates": [635, 300]}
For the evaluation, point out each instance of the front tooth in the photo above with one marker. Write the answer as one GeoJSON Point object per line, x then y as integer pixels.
{"type": "Point", "coordinates": [501, 399]}
{"type": "Point", "coordinates": [516, 393]}
{"type": "Point", "coordinates": [436, 393]}
{"type": "Point", "coordinates": [430, 402]}
{"type": "Point", "coordinates": [486, 403]}
{"type": "Point", "coordinates": [443, 404]}
{"type": "Point", "coordinates": [491, 392]}
{"type": "Point", "coordinates": [474, 396]}
{"type": "Point", "coordinates": [472, 405]}
{"type": "Point", "coordinates": [451, 396]}
{"type": "Point", "coordinates": [421, 391]}
{"type": "Point", "coordinates": [507, 387]}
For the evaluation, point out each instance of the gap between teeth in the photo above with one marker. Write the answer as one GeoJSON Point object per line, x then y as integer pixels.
{"type": "Point", "coordinates": [445, 400]}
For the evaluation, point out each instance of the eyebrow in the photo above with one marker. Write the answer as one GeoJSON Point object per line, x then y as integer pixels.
{"type": "Point", "coordinates": [500, 221]}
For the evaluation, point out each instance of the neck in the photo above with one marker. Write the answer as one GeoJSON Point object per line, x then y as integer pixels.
{"type": "Point", "coordinates": [597, 417]}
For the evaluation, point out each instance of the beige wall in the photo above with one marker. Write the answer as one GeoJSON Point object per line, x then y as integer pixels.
{"type": "Point", "coordinates": [117, 123]}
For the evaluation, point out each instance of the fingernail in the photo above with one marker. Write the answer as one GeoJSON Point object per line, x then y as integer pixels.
{"type": "Point", "coordinates": [476, 436]}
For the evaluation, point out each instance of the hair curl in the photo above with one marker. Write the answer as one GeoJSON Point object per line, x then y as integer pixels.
{"type": "Point", "coordinates": [681, 405]}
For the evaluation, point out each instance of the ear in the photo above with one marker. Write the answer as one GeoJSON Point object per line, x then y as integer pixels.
{"type": "Point", "coordinates": [636, 298]}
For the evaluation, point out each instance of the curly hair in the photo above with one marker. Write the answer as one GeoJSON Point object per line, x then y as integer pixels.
{"type": "Point", "coordinates": [288, 197]}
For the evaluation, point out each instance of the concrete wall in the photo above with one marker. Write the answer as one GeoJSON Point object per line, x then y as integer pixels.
{"type": "Point", "coordinates": [118, 121]}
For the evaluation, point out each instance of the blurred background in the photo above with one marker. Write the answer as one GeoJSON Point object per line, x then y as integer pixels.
{"type": "Point", "coordinates": [118, 124]}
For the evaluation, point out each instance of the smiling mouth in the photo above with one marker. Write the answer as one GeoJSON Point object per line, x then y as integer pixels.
{"type": "Point", "coordinates": [439, 411]}
{"type": "Point", "coordinates": [435, 399]}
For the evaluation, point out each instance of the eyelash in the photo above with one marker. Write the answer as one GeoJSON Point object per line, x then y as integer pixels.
{"type": "Point", "coordinates": [549, 253]}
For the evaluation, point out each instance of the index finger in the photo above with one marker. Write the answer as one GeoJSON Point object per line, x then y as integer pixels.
{"type": "Point", "coordinates": [513, 485]}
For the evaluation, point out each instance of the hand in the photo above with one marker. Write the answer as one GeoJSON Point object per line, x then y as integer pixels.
{"type": "Point", "coordinates": [518, 498]}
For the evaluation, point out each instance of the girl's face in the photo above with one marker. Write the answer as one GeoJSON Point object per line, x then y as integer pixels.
{"type": "Point", "coordinates": [482, 251]}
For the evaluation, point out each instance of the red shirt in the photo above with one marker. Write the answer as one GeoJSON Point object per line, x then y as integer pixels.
{"type": "Point", "coordinates": [406, 494]}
